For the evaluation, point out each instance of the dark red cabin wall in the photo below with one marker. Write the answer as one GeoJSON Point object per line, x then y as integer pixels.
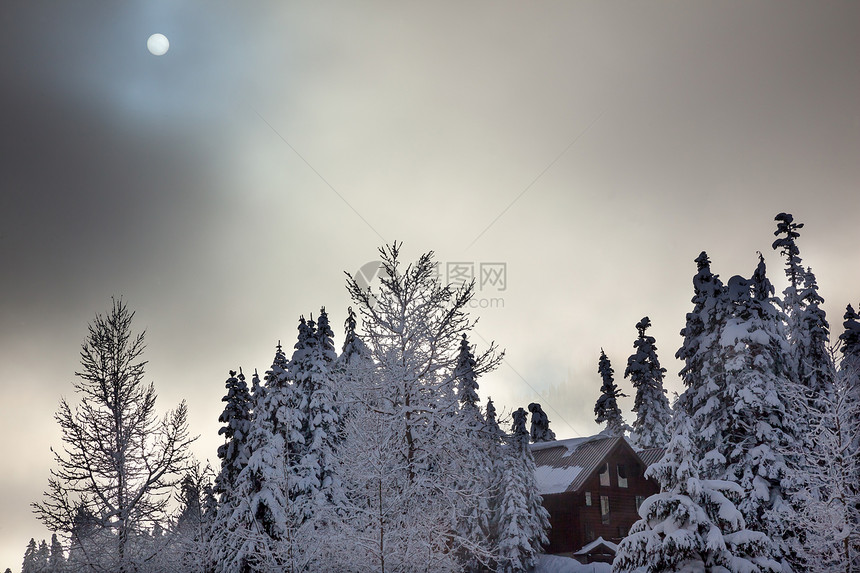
{"type": "Point", "coordinates": [569, 515]}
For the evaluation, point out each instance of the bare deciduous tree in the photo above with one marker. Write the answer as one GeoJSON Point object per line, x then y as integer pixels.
{"type": "Point", "coordinates": [119, 461]}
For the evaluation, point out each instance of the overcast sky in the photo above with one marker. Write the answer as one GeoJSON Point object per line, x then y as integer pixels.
{"type": "Point", "coordinates": [592, 148]}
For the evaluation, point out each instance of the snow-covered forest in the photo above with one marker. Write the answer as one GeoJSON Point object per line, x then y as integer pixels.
{"type": "Point", "coordinates": [382, 456]}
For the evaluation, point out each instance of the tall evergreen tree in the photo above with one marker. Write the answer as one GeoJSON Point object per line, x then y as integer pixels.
{"type": "Point", "coordinates": [703, 372]}
{"type": "Point", "coordinates": [354, 370]}
{"type": "Point", "coordinates": [757, 426]}
{"type": "Point", "coordinates": [807, 330]}
{"type": "Point", "coordinates": [850, 349]}
{"type": "Point", "coordinates": [42, 556]}
{"type": "Point", "coordinates": [606, 410]}
{"type": "Point", "coordinates": [467, 379]}
{"type": "Point", "coordinates": [693, 524]}
{"type": "Point", "coordinates": [498, 464]}
{"type": "Point", "coordinates": [29, 564]}
{"type": "Point", "coordinates": [57, 560]}
{"type": "Point", "coordinates": [524, 521]}
{"type": "Point", "coordinates": [474, 456]}
{"type": "Point", "coordinates": [254, 532]}
{"type": "Point", "coordinates": [236, 418]}
{"type": "Point", "coordinates": [540, 431]}
{"type": "Point", "coordinates": [811, 341]}
{"type": "Point", "coordinates": [653, 413]}
{"type": "Point", "coordinates": [788, 247]}
{"type": "Point", "coordinates": [312, 371]}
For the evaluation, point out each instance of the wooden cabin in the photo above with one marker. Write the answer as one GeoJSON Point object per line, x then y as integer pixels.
{"type": "Point", "coordinates": [592, 488]}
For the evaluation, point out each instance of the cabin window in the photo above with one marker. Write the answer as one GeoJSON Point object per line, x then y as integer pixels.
{"type": "Point", "coordinates": [588, 498]}
{"type": "Point", "coordinates": [639, 500]}
{"type": "Point", "coordinates": [622, 531]}
{"type": "Point", "coordinates": [589, 532]}
{"type": "Point", "coordinates": [622, 476]}
{"type": "Point", "coordinates": [604, 509]}
{"type": "Point", "coordinates": [604, 474]}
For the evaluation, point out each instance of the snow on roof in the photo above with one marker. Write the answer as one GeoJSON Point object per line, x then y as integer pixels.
{"type": "Point", "coordinates": [588, 547]}
{"type": "Point", "coordinates": [570, 443]}
{"type": "Point", "coordinates": [559, 564]}
{"type": "Point", "coordinates": [573, 460]}
{"type": "Point", "coordinates": [555, 480]}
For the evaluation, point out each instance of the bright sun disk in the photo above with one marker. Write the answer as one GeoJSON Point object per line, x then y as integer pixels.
{"type": "Point", "coordinates": [157, 44]}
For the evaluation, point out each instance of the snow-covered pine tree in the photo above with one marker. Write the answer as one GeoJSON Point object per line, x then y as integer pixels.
{"type": "Point", "coordinates": [794, 267]}
{"type": "Point", "coordinates": [210, 516]}
{"type": "Point", "coordinates": [693, 524]}
{"type": "Point", "coordinates": [812, 340]}
{"type": "Point", "coordinates": [498, 465]}
{"type": "Point", "coordinates": [42, 555]}
{"type": "Point", "coordinates": [523, 519]}
{"type": "Point", "coordinates": [467, 382]}
{"type": "Point", "coordinates": [324, 417]}
{"type": "Point", "coordinates": [258, 390]}
{"type": "Point", "coordinates": [236, 418]}
{"type": "Point", "coordinates": [653, 413]}
{"type": "Point", "coordinates": [703, 373]}
{"type": "Point", "coordinates": [757, 427]}
{"type": "Point", "coordinates": [29, 563]}
{"type": "Point", "coordinates": [254, 532]}
{"type": "Point", "coordinates": [57, 560]}
{"type": "Point", "coordinates": [493, 423]}
{"type": "Point", "coordinates": [606, 408]}
{"type": "Point", "coordinates": [316, 487]}
{"type": "Point", "coordinates": [474, 458]}
{"type": "Point", "coordinates": [806, 324]}
{"type": "Point", "coordinates": [353, 345]}
{"type": "Point", "coordinates": [354, 368]}
{"type": "Point", "coordinates": [540, 431]}
{"type": "Point", "coordinates": [850, 349]}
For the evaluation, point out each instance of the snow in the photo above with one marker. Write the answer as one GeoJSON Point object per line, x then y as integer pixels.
{"type": "Point", "coordinates": [558, 564]}
{"type": "Point", "coordinates": [555, 480]}
{"type": "Point", "coordinates": [571, 443]}
{"type": "Point", "coordinates": [596, 543]}
{"type": "Point", "coordinates": [733, 332]}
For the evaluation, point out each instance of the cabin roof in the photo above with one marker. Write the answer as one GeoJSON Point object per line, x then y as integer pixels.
{"type": "Point", "coordinates": [651, 455]}
{"type": "Point", "coordinates": [565, 465]}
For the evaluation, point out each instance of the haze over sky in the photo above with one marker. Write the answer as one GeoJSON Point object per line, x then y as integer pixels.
{"type": "Point", "coordinates": [592, 147]}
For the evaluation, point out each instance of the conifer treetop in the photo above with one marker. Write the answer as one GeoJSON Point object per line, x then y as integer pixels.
{"type": "Point", "coordinates": [787, 227]}
{"type": "Point", "coordinates": [540, 431]}
{"type": "Point", "coordinates": [606, 408]}
{"type": "Point", "coordinates": [851, 336]}
{"type": "Point", "coordinates": [651, 405]}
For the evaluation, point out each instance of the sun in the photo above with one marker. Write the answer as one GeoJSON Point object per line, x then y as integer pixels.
{"type": "Point", "coordinates": [157, 44]}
